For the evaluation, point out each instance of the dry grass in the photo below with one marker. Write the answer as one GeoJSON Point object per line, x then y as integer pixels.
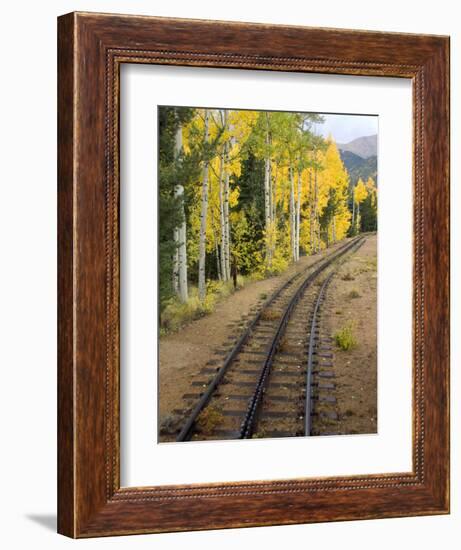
{"type": "Point", "coordinates": [353, 294]}
{"type": "Point", "coordinates": [209, 419]}
{"type": "Point", "coordinates": [283, 345]}
{"type": "Point", "coordinates": [176, 315]}
{"type": "Point", "coordinates": [270, 315]}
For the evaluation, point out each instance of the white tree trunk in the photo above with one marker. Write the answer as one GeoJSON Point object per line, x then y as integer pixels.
{"type": "Point", "coordinates": [292, 216]}
{"type": "Point", "coordinates": [353, 212]}
{"type": "Point", "coordinates": [298, 216]}
{"type": "Point", "coordinates": [218, 262]}
{"type": "Point", "coordinates": [222, 220]}
{"type": "Point", "coordinates": [227, 225]}
{"type": "Point", "coordinates": [267, 197]}
{"type": "Point", "coordinates": [273, 213]}
{"type": "Point", "coordinates": [176, 261]}
{"type": "Point", "coordinates": [226, 271]}
{"type": "Point", "coordinates": [311, 213]}
{"type": "Point", "coordinates": [271, 208]}
{"type": "Point", "coordinates": [203, 220]}
{"type": "Point", "coordinates": [316, 216]}
{"type": "Point", "coordinates": [271, 217]}
{"type": "Point", "coordinates": [180, 235]}
{"type": "Point", "coordinates": [267, 210]}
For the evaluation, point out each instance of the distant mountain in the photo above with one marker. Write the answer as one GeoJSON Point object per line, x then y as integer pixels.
{"type": "Point", "coordinates": [359, 167]}
{"type": "Point", "coordinates": [365, 147]}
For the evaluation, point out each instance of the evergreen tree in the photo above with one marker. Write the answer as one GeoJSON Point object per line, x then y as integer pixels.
{"type": "Point", "coordinates": [171, 169]}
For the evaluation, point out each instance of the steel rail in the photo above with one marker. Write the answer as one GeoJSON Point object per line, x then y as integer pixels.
{"type": "Point", "coordinates": [310, 357]}
{"type": "Point", "coordinates": [247, 426]}
{"type": "Point", "coordinates": [311, 351]}
{"type": "Point", "coordinates": [186, 431]}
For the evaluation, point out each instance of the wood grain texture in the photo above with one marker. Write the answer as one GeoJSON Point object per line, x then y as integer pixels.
{"type": "Point", "coordinates": [66, 487]}
{"type": "Point", "coordinates": [91, 49]}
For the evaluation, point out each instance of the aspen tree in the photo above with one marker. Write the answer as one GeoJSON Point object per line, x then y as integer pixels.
{"type": "Point", "coordinates": [273, 214]}
{"type": "Point", "coordinates": [292, 197]}
{"type": "Point", "coordinates": [180, 236]}
{"type": "Point", "coordinates": [221, 215]}
{"type": "Point", "coordinates": [203, 214]}
{"type": "Point", "coordinates": [292, 215]}
{"type": "Point", "coordinates": [311, 212]}
{"type": "Point", "coordinates": [334, 182]}
{"type": "Point", "coordinates": [298, 217]}
{"type": "Point", "coordinates": [216, 247]}
{"type": "Point", "coordinates": [176, 261]}
{"type": "Point", "coordinates": [274, 195]}
{"type": "Point", "coordinates": [360, 194]}
{"type": "Point", "coordinates": [316, 213]}
{"type": "Point", "coordinates": [267, 192]}
{"type": "Point", "coordinates": [226, 215]}
{"type": "Point", "coordinates": [353, 209]}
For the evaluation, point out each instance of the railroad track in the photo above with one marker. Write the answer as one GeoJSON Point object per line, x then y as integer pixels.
{"type": "Point", "coordinates": [265, 376]}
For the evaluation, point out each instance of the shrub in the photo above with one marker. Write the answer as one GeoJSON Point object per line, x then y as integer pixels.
{"type": "Point", "coordinates": [345, 338]}
{"type": "Point", "coordinates": [368, 265]}
{"type": "Point", "coordinates": [354, 294]}
{"type": "Point", "coordinates": [177, 314]}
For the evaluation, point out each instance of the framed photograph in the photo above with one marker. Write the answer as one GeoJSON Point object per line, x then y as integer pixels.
{"type": "Point", "coordinates": [253, 259]}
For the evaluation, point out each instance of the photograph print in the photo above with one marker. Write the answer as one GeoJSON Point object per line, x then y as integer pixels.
{"type": "Point", "coordinates": [267, 274]}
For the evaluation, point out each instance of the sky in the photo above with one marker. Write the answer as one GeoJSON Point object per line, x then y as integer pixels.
{"type": "Point", "coordinates": [345, 128]}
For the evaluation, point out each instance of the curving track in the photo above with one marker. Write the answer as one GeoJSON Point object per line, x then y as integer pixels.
{"type": "Point", "coordinates": [265, 386]}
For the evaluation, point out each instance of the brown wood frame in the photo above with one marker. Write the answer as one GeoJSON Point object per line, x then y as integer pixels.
{"type": "Point", "coordinates": [91, 49]}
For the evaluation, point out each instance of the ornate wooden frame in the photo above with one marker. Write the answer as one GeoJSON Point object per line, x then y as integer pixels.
{"type": "Point", "coordinates": [91, 49]}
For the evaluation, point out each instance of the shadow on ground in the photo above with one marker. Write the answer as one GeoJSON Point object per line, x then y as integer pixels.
{"type": "Point", "coordinates": [47, 521]}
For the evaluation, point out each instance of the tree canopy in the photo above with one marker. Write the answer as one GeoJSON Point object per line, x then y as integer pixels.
{"type": "Point", "coordinates": [249, 192]}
